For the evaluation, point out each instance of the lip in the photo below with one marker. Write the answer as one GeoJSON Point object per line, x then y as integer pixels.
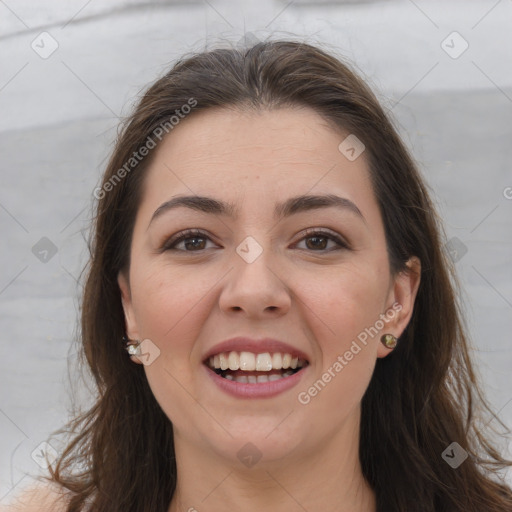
{"type": "Point", "coordinates": [243, 344]}
{"type": "Point", "coordinates": [261, 389]}
{"type": "Point", "coordinates": [257, 390]}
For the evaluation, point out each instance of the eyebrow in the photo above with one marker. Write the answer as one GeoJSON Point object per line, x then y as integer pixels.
{"type": "Point", "coordinates": [291, 206]}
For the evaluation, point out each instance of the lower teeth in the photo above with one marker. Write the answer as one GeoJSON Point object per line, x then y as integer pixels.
{"type": "Point", "coordinates": [253, 379]}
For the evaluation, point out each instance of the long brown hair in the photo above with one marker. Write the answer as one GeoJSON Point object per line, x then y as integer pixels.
{"type": "Point", "coordinates": [421, 398]}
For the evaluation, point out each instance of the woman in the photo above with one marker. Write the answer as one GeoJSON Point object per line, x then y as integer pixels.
{"type": "Point", "coordinates": [268, 314]}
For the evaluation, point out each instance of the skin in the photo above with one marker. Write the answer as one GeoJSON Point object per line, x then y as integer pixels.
{"type": "Point", "coordinates": [315, 299]}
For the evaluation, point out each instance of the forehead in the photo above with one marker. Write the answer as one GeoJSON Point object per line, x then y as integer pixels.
{"type": "Point", "coordinates": [288, 133]}
{"type": "Point", "coordinates": [240, 154]}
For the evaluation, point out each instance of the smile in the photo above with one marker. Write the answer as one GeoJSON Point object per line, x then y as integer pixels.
{"type": "Point", "coordinates": [255, 375]}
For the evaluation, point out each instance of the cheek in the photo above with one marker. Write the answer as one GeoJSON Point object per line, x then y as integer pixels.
{"type": "Point", "coordinates": [348, 300]}
{"type": "Point", "coordinates": [163, 307]}
{"type": "Point", "coordinates": [168, 304]}
{"type": "Point", "coordinates": [164, 299]}
{"type": "Point", "coordinates": [350, 306]}
{"type": "Point", "coordinates": [172, 305]}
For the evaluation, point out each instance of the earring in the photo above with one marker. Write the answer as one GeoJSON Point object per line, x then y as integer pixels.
{"type": "Point", "coordinates": [389, 341]}
{"type": "Point", "coordinates": [132, 346]}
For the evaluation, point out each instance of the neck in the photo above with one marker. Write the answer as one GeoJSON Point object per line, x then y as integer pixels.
{"type": "Point", "coordinates": [329, 478]}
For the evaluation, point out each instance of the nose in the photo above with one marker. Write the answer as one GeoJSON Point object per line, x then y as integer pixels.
{"type": "Point", "coordinates": [255, 286]}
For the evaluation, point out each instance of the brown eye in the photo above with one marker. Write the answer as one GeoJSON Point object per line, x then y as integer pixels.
{"type": "Point", "coordinates": [196, 241]}
{"type": "Point", "coordinates": [317, 241]}
{"type": "Point", "coordinates": [193, 241]}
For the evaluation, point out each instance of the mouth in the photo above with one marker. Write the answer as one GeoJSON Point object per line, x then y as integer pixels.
{"type": "Point", "coordinates": [255, 368]}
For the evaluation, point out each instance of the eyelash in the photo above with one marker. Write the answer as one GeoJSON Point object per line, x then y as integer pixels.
{"type": "Point", "coordinates": [196, 233]}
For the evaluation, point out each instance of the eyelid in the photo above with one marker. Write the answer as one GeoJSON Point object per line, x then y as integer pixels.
{"type": "Point", "coordinates": [180, 236]}
{"type": "Point", "coordinates": [308, 232]}
{"type": "Point", "coordinates": [333, 235]}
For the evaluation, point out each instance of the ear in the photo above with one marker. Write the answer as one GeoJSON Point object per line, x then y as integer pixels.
{"type": "Point", "coordinates": [401, 299]}
{"type": "Point", "coordinates": [132, 331]}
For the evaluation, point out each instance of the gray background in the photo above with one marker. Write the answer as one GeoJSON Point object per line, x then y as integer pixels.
{"type": "Point", "coordinates": [59, 118]}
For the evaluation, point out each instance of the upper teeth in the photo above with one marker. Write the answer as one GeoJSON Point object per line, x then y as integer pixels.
{"type": "Point", "coordinates": [247, 361]}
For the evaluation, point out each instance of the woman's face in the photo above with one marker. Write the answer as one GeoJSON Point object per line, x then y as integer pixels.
{"type": "Point", "coordinates": [315, 278]}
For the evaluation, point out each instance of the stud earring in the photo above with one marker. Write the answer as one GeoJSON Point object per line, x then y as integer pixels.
{"type": "Point", "coordinates": [132, 346]}
{"type": "Point", "coordinates": [389, 341]}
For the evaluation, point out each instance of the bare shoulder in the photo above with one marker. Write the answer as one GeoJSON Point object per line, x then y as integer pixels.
{"type": "Point", "coordinates": [38, 498]}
